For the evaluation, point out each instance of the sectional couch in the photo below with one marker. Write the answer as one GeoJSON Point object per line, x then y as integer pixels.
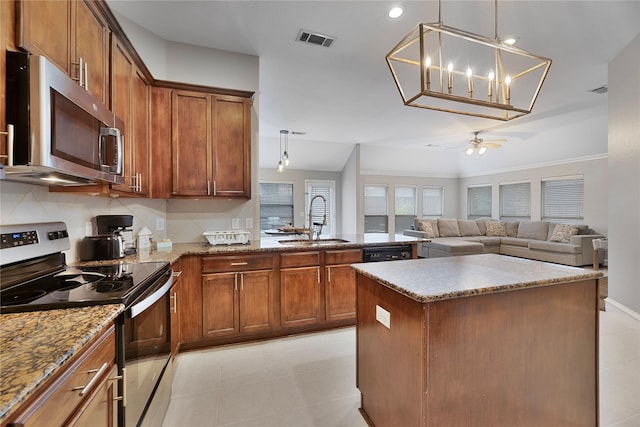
{"type": "Point", "coordinates": [569, 244]}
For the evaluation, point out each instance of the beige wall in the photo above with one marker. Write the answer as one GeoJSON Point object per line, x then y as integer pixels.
{"type": "Point", "coordinates": [595, 188]}
{"type": "Point", "coordinates": [624, 177]}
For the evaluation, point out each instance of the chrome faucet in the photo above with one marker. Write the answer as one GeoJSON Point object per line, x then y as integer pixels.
{"type": "Point", "coordinates": [324, 218]}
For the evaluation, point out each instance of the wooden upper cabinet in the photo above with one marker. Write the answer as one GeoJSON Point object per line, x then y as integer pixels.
{"type": "Point", "coordinates": [44, 29]}
{"type": "Point", "coordinates": [130, 103]}
{"type": "Point", "coordinates": [160, 142]}
{"type": "Point", "coordinates": [90, 41]}
{"type": "Point", "coordinates": [211, 145]}
{"type": "Point", "coordinates": [67, 32]}
{"type": "Point", "coordinates": [232, 146]}
{"type": "Point", "coordinates": [191, 150]}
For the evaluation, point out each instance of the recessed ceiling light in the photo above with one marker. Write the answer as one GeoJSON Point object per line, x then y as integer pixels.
{"type": "Point", "coordinates": [395, 12]}
{"type": "Point", "coordinates": [511, 40]}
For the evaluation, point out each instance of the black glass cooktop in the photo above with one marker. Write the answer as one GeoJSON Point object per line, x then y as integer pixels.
{"type": "Point", "coordinates": [81, 286]}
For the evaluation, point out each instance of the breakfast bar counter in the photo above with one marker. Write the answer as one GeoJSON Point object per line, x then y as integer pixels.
{"type": "Point", "coordinates": [477, 340]}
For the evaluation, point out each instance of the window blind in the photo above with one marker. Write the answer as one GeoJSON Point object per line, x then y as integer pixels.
{"type": "Point", "coordinates": [405, 207]}
{"type": "Point", "coordinates": [432, 202]}
{"type": "Point", "coordinates": [515, 201]}
{"type": "Point", "coordinates": [327, 190]}
{"type": "Point", "coordinates": [376, 208]}
{"type": "Point", "coordinates": [276, 205]}
{"type": "Point", "coordinates": [479, 202]}
{"type": "Point", "coordinates": [563, 200]}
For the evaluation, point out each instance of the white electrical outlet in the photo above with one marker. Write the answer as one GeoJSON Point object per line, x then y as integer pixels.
{"type": "Point", "coordinates": [383, 316]}
{"type": "Point", "coordinates": [159, 224]}
{"type": "Point", "coordinates": [235, 223]}
{"type": "Point", "coordinates": [248, 223]}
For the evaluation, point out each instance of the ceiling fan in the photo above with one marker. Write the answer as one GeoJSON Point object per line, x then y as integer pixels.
{"type": "Point", "coordinates": [480, 146]}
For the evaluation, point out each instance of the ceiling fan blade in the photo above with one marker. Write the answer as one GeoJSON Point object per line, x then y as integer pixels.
{"type": "Point", "coordinates": [495, 140]}
{"type": "Point", "coordinates": [490, 145]}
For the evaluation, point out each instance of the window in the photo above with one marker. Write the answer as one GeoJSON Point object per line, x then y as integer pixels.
{"type": "Point", "coordinates": [479, 202]}
{"type": "Point", "coordinates": [405, 210]}
{"type": "Point", "coordinates": [327, 190]}
{"type": "Point", "coordinates": [276, 205]}
{"type": "Point", "coordinates": [563, 200]}
{"type": "Point", "coordinates": [432, 202]}
{"type": "Point", "coordinates": [515, 201]}
{"type": "Point", "coordinates": [376, 209]}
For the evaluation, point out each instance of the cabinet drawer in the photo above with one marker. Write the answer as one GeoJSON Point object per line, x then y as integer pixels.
{"type": "Point", "coordinates": [299, 259]}
{"type": "Point", "coordinates": [223, 264]}
{"type": "Point", "coordinates": [349, 256]}
{"type": "Point", "coordinates": [59, 399]}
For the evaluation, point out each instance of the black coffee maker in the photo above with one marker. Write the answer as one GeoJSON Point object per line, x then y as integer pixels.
{"type": "Point", "coordinates": [108, 243]}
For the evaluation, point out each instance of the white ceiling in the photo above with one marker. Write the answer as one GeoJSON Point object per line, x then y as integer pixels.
{"type": "Point", "coordinates": [345, 94]}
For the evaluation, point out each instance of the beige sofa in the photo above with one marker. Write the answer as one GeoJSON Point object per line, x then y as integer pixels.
{"type": "Point", "coordinates": [540, 240]}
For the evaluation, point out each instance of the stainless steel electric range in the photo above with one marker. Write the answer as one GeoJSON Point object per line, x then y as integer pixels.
{"type": "Point", "coordinates": [34, 276]}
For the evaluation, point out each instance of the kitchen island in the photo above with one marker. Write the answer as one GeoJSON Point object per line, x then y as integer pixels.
{"type": "Point", "coordinates": [485, 340]}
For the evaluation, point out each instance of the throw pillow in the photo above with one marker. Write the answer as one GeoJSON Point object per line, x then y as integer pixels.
{"type": "Point", "coordinates": [448, 228]}
{"type": "Point", "coordinates": [512, 228]}
{"type": "Point", "coordinates": [425, 226]}
{"type": "Point", "coordinates": [562, 233]}
{"type": "Point", "coordinates": [468, 228]}
{"type": "Point", "coordinates": [496, 228]}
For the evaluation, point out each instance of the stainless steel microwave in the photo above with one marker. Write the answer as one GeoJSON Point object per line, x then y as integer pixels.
{"type": "Point", "coordinates": [61, 134]}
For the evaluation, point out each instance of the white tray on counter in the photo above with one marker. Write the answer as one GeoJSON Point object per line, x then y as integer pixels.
{"type": "Point", "coordinates": [231, 237]}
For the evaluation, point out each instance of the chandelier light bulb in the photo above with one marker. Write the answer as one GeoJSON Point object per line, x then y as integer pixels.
{"type": "Point", "coordinates": [280, 166]}
{"type": "Point", "coordinates": [450, 76]}
{"type": "Point", "coordinates": [490, 85]}
{"type": "Point", "coordinates": [507, 81]}
{"type": "Point", "coordinates": [286, 158]}
{"type": "Point", "coordinates": [469, 81]}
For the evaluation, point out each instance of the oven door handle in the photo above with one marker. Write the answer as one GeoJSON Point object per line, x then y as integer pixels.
{"type": "Point", "coordinates": [155, 296]}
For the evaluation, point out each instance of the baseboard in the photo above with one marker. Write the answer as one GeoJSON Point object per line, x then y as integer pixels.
{"type": "Point", "coordinates": [623, 308]}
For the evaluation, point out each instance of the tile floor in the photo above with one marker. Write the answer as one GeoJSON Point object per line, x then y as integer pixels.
{"type": "Point", "coordinates": [310, 381]}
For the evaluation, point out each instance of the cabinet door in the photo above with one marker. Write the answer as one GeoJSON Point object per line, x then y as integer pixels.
{"type": "Point", "coordinates": [122, 68]}
{"type": "Point", "coordinates": [140, 142]}
{"type": "Point", "coordinates": [175, 308]}
{"type": "Point", "coordinates": [101, 410]}
{"type": "Point", "coordinates": [299, 296]}
{"type": "Point", "coordinates": [232, 146]}
{"type": "Point", "coordinates": [220, 309]}
{"type": "Point", "coordinates": [256, 301]}
{"type": "Point", "coordinates": [44, 29]}
{"type": "Point", "coordinates": [191, 148]}
{"type": "Point", "coordinates": [191, 299]}
{"type": "Point", "coordinates": [160, 143]}
{"type": "Point", "coordinates": [90, 41]}
{"type": "Point", "coordinates": [340, 292]}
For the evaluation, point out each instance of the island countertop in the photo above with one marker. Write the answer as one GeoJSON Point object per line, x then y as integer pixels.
{"type": "Point", "coordinates": [434, 279]}
{"type": "Point", "coordinates": [35, 345]}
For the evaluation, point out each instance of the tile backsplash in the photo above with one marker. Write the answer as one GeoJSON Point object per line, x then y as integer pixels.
{"type": "Point", "coordinates": [184, 220]}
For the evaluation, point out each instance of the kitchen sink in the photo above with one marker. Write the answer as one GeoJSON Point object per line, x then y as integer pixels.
{"type": "Point", "coordinates": [315, 242]}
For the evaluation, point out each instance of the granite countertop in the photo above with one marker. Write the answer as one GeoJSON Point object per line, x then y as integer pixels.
{"type": "Point", "coordinates": [34, 345]}
{"type": "Point", "coordinates": [265, 244]}
{"type": "Point", "coordinates": [434, 279]}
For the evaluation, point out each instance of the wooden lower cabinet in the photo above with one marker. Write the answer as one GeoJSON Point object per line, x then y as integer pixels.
{"type": "Point", "coordinates": [60, 401]}
{"type": "Point", "coordinates": [238, 302]}
{"type": "Point", "coordinates": [102, 406]}
{"type": "Point", "coordinates": [299, 296]}
{"type": "Point", "coordinates": [175, 308]}
{"type": "Point", "coordinates": [340, 284]}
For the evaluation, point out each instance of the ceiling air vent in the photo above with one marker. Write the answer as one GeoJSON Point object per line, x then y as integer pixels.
{"type": "Point", "coordinates": [317, 39]}
{"type": "Point", "coordinates": [600, 90]}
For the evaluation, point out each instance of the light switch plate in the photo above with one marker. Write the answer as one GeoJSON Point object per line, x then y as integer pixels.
{"type": "Point", "coordinates": [159, 224]}
{"type": "Point", "coordinates": [235, 223]}
{"type": "Point", "coordinates": [383, 316]}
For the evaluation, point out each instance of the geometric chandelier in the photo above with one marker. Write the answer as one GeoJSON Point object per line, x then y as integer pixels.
{"type": "Point", "coordinates": [451, 70]}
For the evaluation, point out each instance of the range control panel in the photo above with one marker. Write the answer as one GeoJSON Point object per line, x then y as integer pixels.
{"type": "Point", "coordinates": [10, 240]}
{"type": "Point", "coordinates": [20, 242]}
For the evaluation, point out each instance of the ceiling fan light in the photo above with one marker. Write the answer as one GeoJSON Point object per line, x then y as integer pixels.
{"type": "Point", "coordinates": [469, 151]}
{"type": "Point", "coordinates": [482, 150]}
